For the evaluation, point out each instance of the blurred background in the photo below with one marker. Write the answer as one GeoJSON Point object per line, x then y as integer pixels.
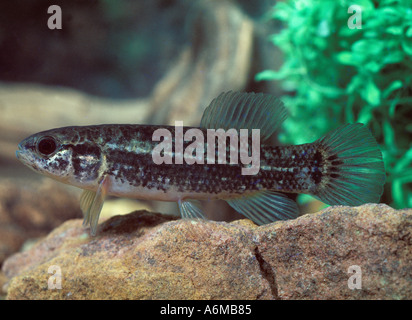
{"type": "Point", "coordinates": [125, 61]}
{"type": "Point", "coordinates": [114, 61]}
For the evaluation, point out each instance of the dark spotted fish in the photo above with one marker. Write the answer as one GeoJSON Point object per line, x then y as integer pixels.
{"type": "Point", "coordinates": [343, 168]}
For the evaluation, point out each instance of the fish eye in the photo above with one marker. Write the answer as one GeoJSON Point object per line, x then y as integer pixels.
{"type": "Point", "coordinates": [46, 146]}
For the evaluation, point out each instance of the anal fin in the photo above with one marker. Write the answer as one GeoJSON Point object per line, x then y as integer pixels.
{"type": "Point", "coordinates": [265, 206]}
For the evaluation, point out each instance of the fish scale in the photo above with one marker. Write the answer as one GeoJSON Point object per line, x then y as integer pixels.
{"type": "Point", "coordinates": [277, 164]}
{"type": "Point", "coordinates": [344, 167]}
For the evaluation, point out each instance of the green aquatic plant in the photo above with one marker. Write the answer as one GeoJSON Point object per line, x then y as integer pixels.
{"type": "Point", "coordinates": [334, 73]}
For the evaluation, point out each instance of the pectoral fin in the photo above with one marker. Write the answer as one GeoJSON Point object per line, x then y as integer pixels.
{"type": "Point", "coordinates": [91, 203]}
{"type": "Point", "coordinates": [86, 200]}
{"type": "Point", "coordinates": [191, 209]}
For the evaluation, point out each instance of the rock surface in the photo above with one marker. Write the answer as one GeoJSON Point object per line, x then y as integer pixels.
{"type": "Point", "coordinates": [25, 213]}
{"type": "Point", "coordinates": [150, 256]}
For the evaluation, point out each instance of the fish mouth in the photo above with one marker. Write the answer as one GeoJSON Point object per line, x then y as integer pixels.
{"type": "Point", "coordinates": [18, 152]}
{"type": "Point", "coordinates": [21, 155]}
{"type": "Point", "coordinates": [25, 158]}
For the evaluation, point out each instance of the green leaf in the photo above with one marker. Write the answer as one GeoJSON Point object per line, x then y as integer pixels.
{"type": "Point", "coordinates": [393, 57]}
{"type": "Point", "coordinates": [395, 85]}
{"type": "Point", "coordinates": [397, 192]}
{"type": "Point", "coordinates": [388, 2]}
{"type": "Point", "coordinates": [349, 58]}
{"type": "Point", "coordinates": [367, 5]}
{"type": "Point", "coordinates": [389, 135]}
{"type": "Point", "coordinates": [388, 14]}
{"type": "Point", "coordinates": [284, 72]}
{"type": "Point", "coordinates": [371, 93]}
{"type": "Point", "coordinates": [344, 57]}
{"type": "Point", "coordinates": [395, 30]}
{"type": "Point", "coordinates": [404, 162]}
{"type": "Point", "coordinates": [368, 46]}
{"type": "Point", "coordinates": [373, 66]}
{"type": "Point", "coordinates": [407, 46]}
{"type": "Point", "coordinates": [392, 108]}
{"type": "Point", "coordinates": [365, 115]}
{"type": "Point", "coordinates": [282, 11]}
{"type": "Point", "coordinates": [354, 84]}
{"type": "Point", "coordinates": [267, 75]}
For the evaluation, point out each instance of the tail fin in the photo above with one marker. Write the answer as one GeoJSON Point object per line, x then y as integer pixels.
{"type": "Point", "coordinates": [353, 170]}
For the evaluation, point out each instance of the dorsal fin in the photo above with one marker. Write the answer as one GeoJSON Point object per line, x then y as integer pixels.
{"type": "Point", "coordinates": [245, 110]}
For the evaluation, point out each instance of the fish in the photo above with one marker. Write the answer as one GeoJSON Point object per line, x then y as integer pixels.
{"type": "Point", "coordinates": [344, 167]}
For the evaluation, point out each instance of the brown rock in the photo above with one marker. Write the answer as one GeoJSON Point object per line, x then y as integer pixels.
{"type": "Point", "coordinates": [140, 257]}
{"type": "Point", "coordinates": [31, 211]}
{"type": "Point", "coordinates": [149, 256]}
{"type": "Point", "coordinates": [310, 256]}
{"type": "Point", "coordinates": [3, 281]}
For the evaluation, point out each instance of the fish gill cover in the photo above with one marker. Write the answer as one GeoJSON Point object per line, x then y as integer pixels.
{"type": "Point", "coordinates": [334, 73]}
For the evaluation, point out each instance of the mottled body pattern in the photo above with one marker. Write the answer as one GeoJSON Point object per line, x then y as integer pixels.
{"type": "Point", "coordinates": [125, 154]}
{"type": "Point", "coordinates": [344, 167]}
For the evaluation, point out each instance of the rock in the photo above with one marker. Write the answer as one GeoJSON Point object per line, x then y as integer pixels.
{"type": "Point", "coordinates": [3, 281]}
{"type": "Point", "coordinates": [150, 256]}
{"type": "Point", "coordinates": [140, 257]}
{"type": "Point", "coordinates": [310, 256]}
{"type": "Point", "coordinates": [32, 210]}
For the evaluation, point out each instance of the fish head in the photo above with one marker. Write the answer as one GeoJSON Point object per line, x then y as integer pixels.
{"type": "Point", "coordinates": [63, 155]}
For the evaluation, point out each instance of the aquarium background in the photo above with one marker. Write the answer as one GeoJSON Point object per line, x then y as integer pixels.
{"type": "Point", "coordinates": [342, 66]}
{"type": "Point", "coordinates": [114, 61]}
{"type": "Point", "coordinates": [154, 62]}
